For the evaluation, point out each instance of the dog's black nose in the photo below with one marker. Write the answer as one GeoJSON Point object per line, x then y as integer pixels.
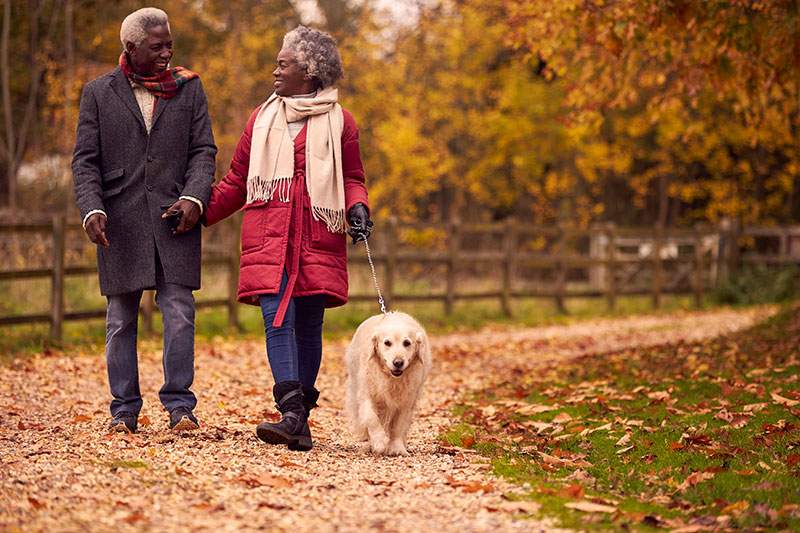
{"type": "Point", "coordinates": [398, 363]}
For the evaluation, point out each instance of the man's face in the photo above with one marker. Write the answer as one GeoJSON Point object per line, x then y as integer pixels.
{"type": "Point", "coordinates": [151, 56]}
{"type": "Point", "coordinates": [290, 79]}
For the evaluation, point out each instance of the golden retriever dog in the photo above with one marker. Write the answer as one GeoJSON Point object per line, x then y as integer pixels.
{"type": "Point", "coordinates": [387, 363]}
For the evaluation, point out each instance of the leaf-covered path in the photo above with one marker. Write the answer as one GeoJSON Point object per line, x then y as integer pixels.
{"type": "Point", "coordinates": [61, 471]}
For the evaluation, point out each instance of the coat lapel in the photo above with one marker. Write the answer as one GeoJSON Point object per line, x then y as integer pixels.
{"type": "Point", "coordinates": [161, 103]}
{"type": "Point", "coordinates": [122, 87]}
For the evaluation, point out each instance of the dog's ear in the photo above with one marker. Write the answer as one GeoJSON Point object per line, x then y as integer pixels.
{"type": "Point", "coordinates": [419, 343]}
{"type": "Point", "coordinates": [421, 348]}
{"type": "Point", "coordinates": [375, 347]}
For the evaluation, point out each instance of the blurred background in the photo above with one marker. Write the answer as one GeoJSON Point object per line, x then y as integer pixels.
{"type": "Point", "coordinates": [583, 150]}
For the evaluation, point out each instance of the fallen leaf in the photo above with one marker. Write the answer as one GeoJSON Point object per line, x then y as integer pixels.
{"type": "Point", "coordinates": [144, 420]}
{"type": "Point", "coordinates": [589, 507]}
{"type": "Point", "coordinates": [562, 418]}
{"type": "Point", "coordinates": [477, 486]}
{"type": "Point", "coordinates": [624, 440]}
{"type": "Point", "coordinates": [573, 491]}
{"type": "Point", "coordinates": [735, 508]}
{"type": "Point", "coordinates": [780, 400]}
{"type": "Point", "coordinates": [624, 450]}
{"type": "Point", "coordinates": [660, 396]}
{"type": "Point", "coordinates": [36, 504]}
{"type": "Point", "coordinates": [519, 507]}
{"type": "Point", "coordinates": [694, 478]}
{"type": "Point", "coordinates": [81, 418]}
{"type": "Point", "coordinates": [534, 409]}
{"type": "Point", "coordinates": [136, 516]}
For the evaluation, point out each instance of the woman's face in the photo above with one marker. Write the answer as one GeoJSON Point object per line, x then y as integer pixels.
{"type": "Point", "coordinates": [290, 79]}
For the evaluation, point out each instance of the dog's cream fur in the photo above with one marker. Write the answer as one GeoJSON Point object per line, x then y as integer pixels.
{"type": "Point", "coordinates": [380, 404]}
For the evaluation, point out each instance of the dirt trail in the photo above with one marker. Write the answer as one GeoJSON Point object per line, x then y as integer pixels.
{"type": "Point", "coordinates": [60, 471]}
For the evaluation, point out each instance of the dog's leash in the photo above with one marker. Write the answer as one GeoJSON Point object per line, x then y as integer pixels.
{"type": "Point", "coordinates": [374, 277]}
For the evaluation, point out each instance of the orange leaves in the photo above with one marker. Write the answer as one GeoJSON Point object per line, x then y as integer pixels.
{"type": "Point", "coordinates": [694, 479]}
{"type": "Point", "coordinates": [264, 479]}
{"type": "Point", "coordinates": [590, 507]}
{"type": "Point", "coordinates": [470, 485]}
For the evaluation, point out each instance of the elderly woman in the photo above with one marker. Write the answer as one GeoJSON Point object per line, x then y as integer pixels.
{"type": "Point", "coordinates": [296, 170]}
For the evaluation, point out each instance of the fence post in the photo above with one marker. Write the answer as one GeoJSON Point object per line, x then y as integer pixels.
{"type": "Point", "coordinates": [147, 309]}
{"type": "Point", "coordinates": [509, 246]}
{"type": "Point", "coordinates": [391, 261]}
{"type": "Point", "coordinates": [57, 287]}
{"type": "Point", "coordinates": [697, 281]}
{"type": "Point", "coordinates": [733, 250]}
{"type": "Point", "coordinates": [453, 243]}
{"type": "Point", "coordinates": [561, 271]}
{"type": "Point", "coordinates": [233, 278]}
{"type": "Point", "coordinates": [658, 271]}
{"type": "Point", "coordinates": [611, 256]}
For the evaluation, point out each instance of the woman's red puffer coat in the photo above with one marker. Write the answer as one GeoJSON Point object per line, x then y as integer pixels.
{"type": "Point", "coordinates": [278, 236]}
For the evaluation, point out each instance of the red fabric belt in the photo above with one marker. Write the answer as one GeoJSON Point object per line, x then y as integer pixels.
{"type": "Point", "coordinates": [293, 259]}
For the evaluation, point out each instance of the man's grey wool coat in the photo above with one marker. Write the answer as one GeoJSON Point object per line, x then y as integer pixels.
{"type": "Point", "coordinates": [134, 176]}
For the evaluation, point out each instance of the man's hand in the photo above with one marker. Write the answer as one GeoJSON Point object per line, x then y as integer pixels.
{"type": "Point", "coordinates": [96, 229]}
{"type": "Point", "coordinates": [360, 224]}
{"type": "Point", "coordinates": [190, 214]}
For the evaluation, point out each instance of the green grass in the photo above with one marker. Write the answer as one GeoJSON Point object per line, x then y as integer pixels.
{"type": "Point", "coordinates": [82, 293]}
{"type": "Point", "coordinates": [747, 471]}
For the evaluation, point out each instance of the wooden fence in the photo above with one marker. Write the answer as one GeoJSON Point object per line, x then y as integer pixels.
{"type": "Point", "coordinates": [687, 261]}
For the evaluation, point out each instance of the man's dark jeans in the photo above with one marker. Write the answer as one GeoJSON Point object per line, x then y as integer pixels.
{"type": "Point", "coordinates": [176, 303]}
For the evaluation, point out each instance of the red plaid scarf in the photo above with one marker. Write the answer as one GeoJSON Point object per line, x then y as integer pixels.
{"type": "Point", "coordinates": [164, 85]}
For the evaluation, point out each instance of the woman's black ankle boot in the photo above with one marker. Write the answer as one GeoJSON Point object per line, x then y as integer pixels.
{"type": "Point", "coordinates": [293, 429]}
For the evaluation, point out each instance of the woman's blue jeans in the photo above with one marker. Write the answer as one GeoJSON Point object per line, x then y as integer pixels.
{"type": "Point", "coordinates": [294, 350]}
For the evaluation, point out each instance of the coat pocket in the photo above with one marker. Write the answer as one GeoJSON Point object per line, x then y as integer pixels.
{"type": "Point", "coordinates": [111, 182]}
{"type": "Point", "coordinates": [323, 240]}
{"type": "Point", "coordinates": [112, 175]}
{"type": "Point", "coordinates": [253, 228]}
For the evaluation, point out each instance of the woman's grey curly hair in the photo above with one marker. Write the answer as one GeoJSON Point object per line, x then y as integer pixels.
{"type": "Point", "coordinates": [316, 52]}
{"type": "Point", "coordinates": [136, 25]}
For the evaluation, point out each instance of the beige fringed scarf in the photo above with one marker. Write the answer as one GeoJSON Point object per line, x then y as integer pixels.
{"type": "Point", "coordinates": [272, 154]}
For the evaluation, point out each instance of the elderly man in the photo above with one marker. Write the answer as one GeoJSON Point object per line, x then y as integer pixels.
{"type": "Point", "coordinates": [143, 169]}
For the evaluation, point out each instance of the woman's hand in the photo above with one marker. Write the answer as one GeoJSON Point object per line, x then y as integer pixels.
{"type": "Point", "coordinates": [360, 224]}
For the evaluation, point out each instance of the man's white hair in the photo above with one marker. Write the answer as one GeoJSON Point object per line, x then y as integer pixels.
{"type": "Point", "coordinates": [136, 25]}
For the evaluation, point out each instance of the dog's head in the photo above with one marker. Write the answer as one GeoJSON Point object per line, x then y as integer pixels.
{"type": "Point", "coordinates": [397, 346]}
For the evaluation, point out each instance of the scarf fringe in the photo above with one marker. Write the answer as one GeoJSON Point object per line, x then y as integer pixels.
{"type": "Point", "coordinates": [333, 218]}
{"type": "Point", "coordinates": [263, 189]}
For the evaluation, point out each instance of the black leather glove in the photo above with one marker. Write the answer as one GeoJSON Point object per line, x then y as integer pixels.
{"type": "Point", "coordinates": [360, 224]}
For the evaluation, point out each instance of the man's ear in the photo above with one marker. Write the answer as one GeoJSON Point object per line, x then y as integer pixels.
{"type": "Point", "coordinates": [130, 47]}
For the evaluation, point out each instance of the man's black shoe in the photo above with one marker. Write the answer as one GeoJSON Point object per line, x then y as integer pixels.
{"type": "Point", "coordinates": [182, 419]}
{"type": "Point", "coordinates": [123, 422]}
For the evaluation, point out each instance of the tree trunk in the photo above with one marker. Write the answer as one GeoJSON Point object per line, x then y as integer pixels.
{"type": "Point", "coordinates": [7, 189]}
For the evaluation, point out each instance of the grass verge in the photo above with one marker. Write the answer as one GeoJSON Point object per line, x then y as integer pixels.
{"type": "Point", "coordinates": [697, 435]}
{"type": "Point", "coordinates": [341, 322]}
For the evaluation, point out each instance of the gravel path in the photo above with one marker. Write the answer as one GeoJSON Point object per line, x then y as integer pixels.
{"type": "Point", "coordinates": [60, 471]}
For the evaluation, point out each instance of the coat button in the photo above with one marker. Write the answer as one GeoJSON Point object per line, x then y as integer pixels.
{"type": "Point", "coordinates": [149, 187]}
{"type": "Point", "coordinates": [150, 158]}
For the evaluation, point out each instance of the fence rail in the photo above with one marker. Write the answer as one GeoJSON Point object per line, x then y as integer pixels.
{"type": "Point", "coordinates": [715, 254]}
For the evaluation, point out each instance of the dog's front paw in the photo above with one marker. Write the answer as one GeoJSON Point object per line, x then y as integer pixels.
{"type": "Point", "coordinates": [379, 446]}
{"type": "Point", "coordinates": [397, 448]}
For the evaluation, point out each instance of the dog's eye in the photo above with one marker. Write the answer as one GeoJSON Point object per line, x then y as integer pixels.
{"type": "Point", "coordinates": [406, 343]}
{"type": "Point", "coordinates": [387, 343]}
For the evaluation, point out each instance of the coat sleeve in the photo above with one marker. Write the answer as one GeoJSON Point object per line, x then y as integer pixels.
{"type": "Point", "coordinates": [86, 156]}
{"type": "Point", "coordinates": [202, 150]}
{"type": "Point", "coordinates": [230, 194]}
{"type": "Point", "coordinates": [355, 190]}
